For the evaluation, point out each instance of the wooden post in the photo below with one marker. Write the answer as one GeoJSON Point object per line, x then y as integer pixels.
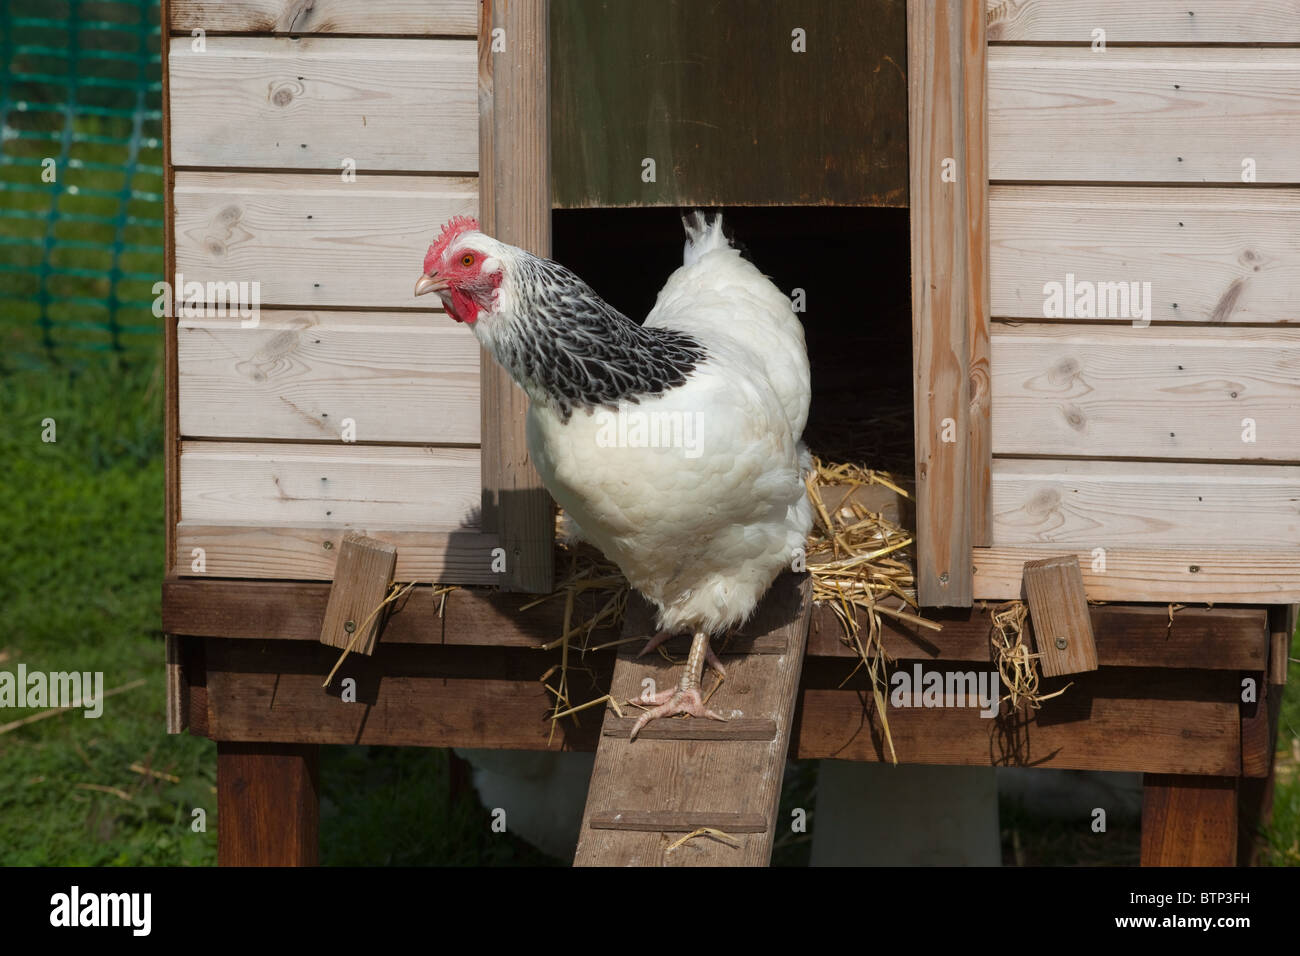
{"type": "Point", "coordinates": [268, 804]}
{"type": "Point", "coordinates": [941, 297]}
{"type": "Point", "coordinates": [1189, 820]}
{"type": "Point", "coordinates": [515, 207]}
{"type": "Point", "coordinates": [976, 166]}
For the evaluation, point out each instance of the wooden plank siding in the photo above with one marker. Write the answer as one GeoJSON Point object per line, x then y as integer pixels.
{"type": "Point", "coordinates": [1148, 21]}
{"type": "Point", "coordinates": [1144, 115]}
{"type": "Point", "coordinates": [1162, 436]}
{"type": "Point", "coordinates": [400, 377]}
{"type": "Point", "coordinates": [311, 239]}
{"type": "Point", "coordinates": [402, 18]}
{"type": "Point", "coordinates": [1152, 504]}
{"type": "Point", "coordinates": [341, 485]}
{"type": "Point", "coordinates": [320, 102]}
{"type": "Point", "coordinates": [1216, 255]}
{"type": "Point", "coordinates": [305, 552]}
{"type": "Point", "coordinates": [1159, 392]}
{"type": "Point", "coordinates": [1212, 572]}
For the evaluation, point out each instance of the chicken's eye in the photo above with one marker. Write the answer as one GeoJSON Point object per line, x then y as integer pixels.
{"type": "Point", "coordinates": [467, 260]}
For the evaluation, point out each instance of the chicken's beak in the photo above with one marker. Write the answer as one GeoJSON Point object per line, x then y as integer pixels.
{"type": "Point", "coordinates": [427, 284]}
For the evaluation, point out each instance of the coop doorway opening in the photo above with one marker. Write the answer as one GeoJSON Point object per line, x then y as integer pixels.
{"type": "Point", "coordinates": [852, 265]}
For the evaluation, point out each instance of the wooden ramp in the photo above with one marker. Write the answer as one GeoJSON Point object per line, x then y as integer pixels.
{"type": "Point", "coordinates": [681, 774]}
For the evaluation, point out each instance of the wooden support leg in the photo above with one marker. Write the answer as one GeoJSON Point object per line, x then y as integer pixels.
{"type": "Point", "coordinates": [268, 805]}
{"type": "Point", "coordinates": [1189, 820]}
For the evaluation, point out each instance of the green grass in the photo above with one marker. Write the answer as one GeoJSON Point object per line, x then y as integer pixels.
{"type": "Point", "coordinates": [81, 558]}
{"type": "Point", "coordinates": [1282, 835]}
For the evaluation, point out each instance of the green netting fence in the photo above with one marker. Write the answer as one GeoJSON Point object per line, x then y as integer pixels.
{"type": "Point", "coordinates": [81, 179]}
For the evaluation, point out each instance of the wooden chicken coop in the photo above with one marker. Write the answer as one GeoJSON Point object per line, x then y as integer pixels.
{"type": "Point", "coordinates": [1101, 201]}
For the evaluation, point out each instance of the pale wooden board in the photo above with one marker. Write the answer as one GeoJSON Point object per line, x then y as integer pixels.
{"type": "Point", "coordinates": [1059, 617]}
{"type": "Point", "coordinates": [1185, 115]}
{"type": "Point", "coordinates": [1221, 575]}
{"type": "Point", "coordinates": [1145, 21]}
{"type": "Point", "coordinates": [941, 298]}
{"type": "Point", "coordinates": [311, 239]}
{"type": "Point", "coordinates": [403, 105]}
{"type": "Point", "coordinates": [701, 776]}
{"type": "Point", "coordinates": [299, 553]}
{"type": "Point", "coordinates": [1089, 391]}
{"type": "Point", "coordinates": [1089, 504]}
{"type": "Point", "coordinates": [401, 377]}
{"type": "Point", "coordinates": [975, 61]}
{"type": "Point", "coordinates": [1211, 255]}
{"type": "Point", "coordinates": [355, 610]}
{"type": "Point", "coordinates": [340, 485]}
{"type": "Point", "coordinates": [400, 17]}
{"type": "Point", "coordinates": [515, 193]}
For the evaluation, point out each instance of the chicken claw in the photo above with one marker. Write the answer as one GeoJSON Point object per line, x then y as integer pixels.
{"type": "Point", "coordinates": [685, 699]}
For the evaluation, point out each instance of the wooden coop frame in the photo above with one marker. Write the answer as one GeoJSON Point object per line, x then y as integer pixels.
{"type": "Point", "coordinates": [244, 651]}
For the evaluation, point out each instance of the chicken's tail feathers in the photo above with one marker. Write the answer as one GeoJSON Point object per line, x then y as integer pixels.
{"type": "Point", "coordinates": [702, 235]}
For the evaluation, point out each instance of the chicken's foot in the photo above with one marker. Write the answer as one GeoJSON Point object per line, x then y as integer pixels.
{"type": "Point", "coordinates": [685, 698]}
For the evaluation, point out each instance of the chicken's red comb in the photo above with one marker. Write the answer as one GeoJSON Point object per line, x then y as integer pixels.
{"type": "Point", "coordinates": [453, 228]}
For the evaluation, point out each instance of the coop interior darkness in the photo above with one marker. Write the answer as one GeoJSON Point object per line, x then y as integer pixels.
{"type": "Point", "coordinates": [853, 264]}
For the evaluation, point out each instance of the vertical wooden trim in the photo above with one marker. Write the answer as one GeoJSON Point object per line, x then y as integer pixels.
{"type": "Point", "coordinates": [515, 207]}
{"type": "Point", "coordinates": [1282, 625]}
{"type": "Point", "coordinates": [178, 686]}
{"type": "Point", "coordinates": [268, 804]}
{"type": "Point", "coordinates": [940, 298]}
{"type": "Point", "coordinates": [177, 690]}
{"type": "Point", "coordinates": [976, 168]}
{"type": "Point", "coordinates": [1189, 820]}
{"type": "Point", "coordinates": [171, 391]}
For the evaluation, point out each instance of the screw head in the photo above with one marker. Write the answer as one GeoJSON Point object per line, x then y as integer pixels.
{"type": "Point", "coordinates": [329, 545]}
{"type": "Point", "coordinates": [943, 578]}
{"type": "Point", "coordinates": [349, 626]}
{"type": "Point", "coordinates": [1061, 643]}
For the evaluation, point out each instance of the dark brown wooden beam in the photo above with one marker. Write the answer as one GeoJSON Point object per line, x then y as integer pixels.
{"type": "Point", "coordinates": [1189, 820]}
{"type": "Point", "coordinates": [1126, 635]}
{"type": "Point", "coordinates": [295, 611]}
{"type": "Point", "coordinates": [403, 696]}
{"type": "Point", "coordinates": [268, 804]}
{"type": "Point", "coordinates": [1114, 719]}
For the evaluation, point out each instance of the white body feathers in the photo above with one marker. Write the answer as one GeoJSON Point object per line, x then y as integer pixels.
{"type": "Point", "coordinates": [704, 519]}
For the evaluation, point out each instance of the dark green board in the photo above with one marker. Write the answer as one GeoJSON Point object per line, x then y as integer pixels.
{"type": "Point", "coordinates": [713, 92]}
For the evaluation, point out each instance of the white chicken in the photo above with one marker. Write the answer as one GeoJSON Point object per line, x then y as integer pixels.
{"type": "Point", "coordinates": [674, 445]}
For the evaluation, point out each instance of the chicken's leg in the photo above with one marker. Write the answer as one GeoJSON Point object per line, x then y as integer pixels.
{"type": "Point", "coordinates": [686, 698]}
{"type": "Point", "coordinates": [710, 658]}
